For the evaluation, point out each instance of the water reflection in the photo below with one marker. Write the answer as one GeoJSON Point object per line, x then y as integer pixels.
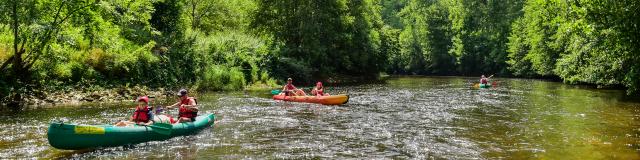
{"type": "Point", "coordinates": [408, 117]}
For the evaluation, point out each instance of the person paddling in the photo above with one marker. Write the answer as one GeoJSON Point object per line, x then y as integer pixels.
{"type": "Point", "coordinates": [319, 90]}
{"type": "Point", "coordinates": [484, 80]}
{"type": "Point", "coordinates": [290, 90]}
{"type": "Point", "coordinates": [142, 115]}
{"type": "Point", "coordinates": [188, 109]}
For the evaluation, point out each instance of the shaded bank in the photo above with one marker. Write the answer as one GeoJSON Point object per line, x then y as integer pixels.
{"type": "Point", "coordinates": [74, 96]}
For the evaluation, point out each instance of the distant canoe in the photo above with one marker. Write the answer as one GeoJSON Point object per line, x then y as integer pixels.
{"type": "Point", "coordinates": [478, 85]}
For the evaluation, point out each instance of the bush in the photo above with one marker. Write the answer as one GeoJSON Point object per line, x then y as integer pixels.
{"type": "Point", "coordinates": [221, 78]}
{"type": "Point", "coordinates": [233, 50]}
{"type": "Point", "coordinates": [290, 68]}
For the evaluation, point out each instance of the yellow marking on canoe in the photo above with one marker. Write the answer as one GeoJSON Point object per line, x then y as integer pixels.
{"type": "Point", "coordinates": [88, 130]}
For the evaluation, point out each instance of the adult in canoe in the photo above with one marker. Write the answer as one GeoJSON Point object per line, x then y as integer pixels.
{"type": "Point", "coordinates": [188, 109]}
{"type": "Point", "coordinates": [290, 90]}
{"type": "Point", "coordinates": [319, 90]}
{"type": "Point", "coordinates": [142, 115]}
{"type": "Point", "coordinates": [484, 80]}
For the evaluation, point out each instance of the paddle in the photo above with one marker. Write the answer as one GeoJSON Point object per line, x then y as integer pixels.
{"type": "Point", "coordinates": [277, 91]}
{"type": "Point", "coordinates": [161, 128]}
{"type": "Point", "coordinates": [493, 83]}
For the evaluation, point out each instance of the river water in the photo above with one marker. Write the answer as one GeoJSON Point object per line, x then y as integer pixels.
{"type": "Point", "coordinates": [402, 118]}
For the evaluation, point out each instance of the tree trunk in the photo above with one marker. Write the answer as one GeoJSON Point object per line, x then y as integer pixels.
{"type": "Point", "coordinates": [194, 22]}
{"type": "Point", "coordinates": [17, 54]}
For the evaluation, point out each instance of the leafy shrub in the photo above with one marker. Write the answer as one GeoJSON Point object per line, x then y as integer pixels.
{"type": "Point", "coordinates": [290, 68]}
{"type": "Point", "coordinates": [233, 50]}
{"type": "Point", "coordinates": [219, 78]}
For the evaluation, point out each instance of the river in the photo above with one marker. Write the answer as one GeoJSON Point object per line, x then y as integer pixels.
{"type": "Point", "coordinates": [402, 118]}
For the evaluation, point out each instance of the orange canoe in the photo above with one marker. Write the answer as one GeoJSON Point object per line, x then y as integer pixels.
{"type": "Point", "coordinates": [326, 100]}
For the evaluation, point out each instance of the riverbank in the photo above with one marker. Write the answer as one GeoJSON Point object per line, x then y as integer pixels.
{"type": "Point", "coordinates": [71, 96]}
{"type": "Point", "coordinates": [78, 94]}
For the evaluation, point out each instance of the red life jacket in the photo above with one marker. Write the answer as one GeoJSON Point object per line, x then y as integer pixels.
{"type": "Point", "coordinates": [290, 87]}
{"type": "Point", "coordinates": [484, 81]}
{"type": "Point", "coordinates": [141, 115]}
{"type": "Point", "coordinates": [171, 119]}
{"type": "Point", "coordinates": [184, 112]}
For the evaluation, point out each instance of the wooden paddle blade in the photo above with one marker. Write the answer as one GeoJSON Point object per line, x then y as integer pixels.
{"type": "Point", "coordinates": [162, 128]}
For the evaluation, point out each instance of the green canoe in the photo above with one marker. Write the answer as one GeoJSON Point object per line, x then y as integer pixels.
{"type": "Point", "coordinates": [73, 137]}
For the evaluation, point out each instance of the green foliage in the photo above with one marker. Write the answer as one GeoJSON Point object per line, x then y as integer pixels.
{"type": "Point", "coordinates": [220, 15]}
{"type": "Point", "coordinates": [234, 50]}
{"type": "Point", "coordinates": [391, 46]}
{"type": "Point", "coordinates": [167, 19]}
{"type": "Point", "coordinates": [292, 68]}
{"type": "Point", "coordinates": [538, 28]}
{"type": "Point", "coordinates": [518, 49]}
{"type": "Point", "coordinates": [390, 10]}
{"type": "Point", "coordinates": [426, 39]}
{"type": "Point", "coordinates": [230, 44]}
{"type": "Point", "coordinates": [120, 42]}
{"type": "Point", "coordinates": [322, 38]}
{"type": "Point", "coordinates": [580, 41]}
{"type": "Point", "coordinates": [221, 78]}
{"type": "Point", "coordinates": [455, 37]}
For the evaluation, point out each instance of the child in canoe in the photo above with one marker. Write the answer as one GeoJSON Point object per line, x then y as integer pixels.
{"type": "Point", "coordinates": [142, 115]}
{"type": "Point", "coordinates": [162, 118]}
{"type": "Point", "coordinates": [319, 90]}
{"type": "Point", "coordinates": [290, 90]}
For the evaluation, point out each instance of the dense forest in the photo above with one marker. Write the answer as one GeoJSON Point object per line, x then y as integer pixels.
{"type": "Point", "coordinates": [231, 44]}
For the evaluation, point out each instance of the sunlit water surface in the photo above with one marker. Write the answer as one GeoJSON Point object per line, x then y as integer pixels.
{"type": "Point", "coordinates": [405, 118]}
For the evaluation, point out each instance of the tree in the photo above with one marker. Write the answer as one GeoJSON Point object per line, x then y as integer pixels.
{"type": "Point", "coordinates": [218, 15]}
{"type": "Point", "coordinates": [426, 38]}
{"type": "Point", "coordinates": [327, 37]}
{"type": "Point", "coordinates": [34, 25]}
{"type": "Point", "coordinates": [591, 42]}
